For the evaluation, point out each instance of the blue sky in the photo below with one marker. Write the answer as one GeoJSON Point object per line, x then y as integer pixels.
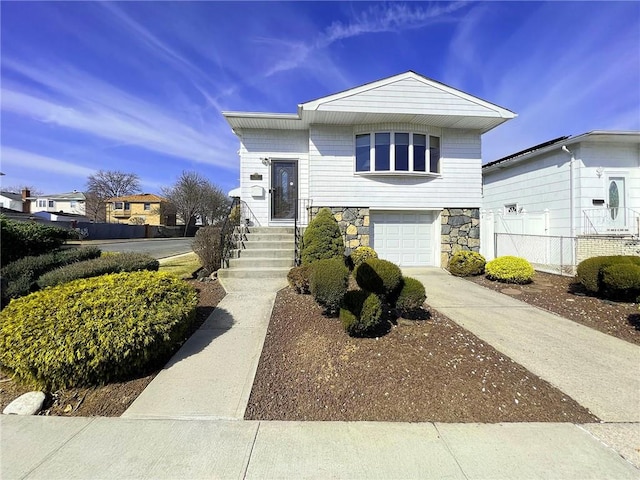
{"type": "Point", "coordinates": [139, 86]}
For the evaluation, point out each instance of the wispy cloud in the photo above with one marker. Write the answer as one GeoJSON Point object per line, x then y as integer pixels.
{"type": "Point", "coordinates": [19, 158]}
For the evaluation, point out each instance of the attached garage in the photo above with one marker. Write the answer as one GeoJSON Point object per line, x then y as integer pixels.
{"type": "Point", "coordinates": [406, 238]}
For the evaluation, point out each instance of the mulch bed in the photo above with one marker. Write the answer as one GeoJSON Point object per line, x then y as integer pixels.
{"type": "Point", "coordinates": [568, 299]}
{"type": "Point", "coordinates": [113, 399]}
{"type": "Point", "coordinates": [422, 370]}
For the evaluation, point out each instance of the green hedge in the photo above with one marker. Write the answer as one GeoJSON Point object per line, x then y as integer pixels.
{"type": "Point", "coordinates": [97, 330]}
{"type": "Point", "coordinates": [299, 278]}
{"type": "Point", "coordinates": [411, 296]}
{"type": "Point", "coordinates": [590, 271]}
{"type": "Point", "coordinates": [123, 262]}
{"type": "Point", "coordinates": [22, 274]}
{"type": "Point", "coordinates": [21, 239]}
{"type": "Point", "coordinates": [465, 263]}
{"type": "Point", "coordinates": [361, 255]}
{"type": "Point", "coordinates": [510, 269]}
{"type": "Point", "coordinates": [361, 313]}
{"type": "Point", "coordinates": [322, 239]}
{"type": "Point", "coordinates": [378, 276]}
{"type": "Point", "coordinates": [621, 281]}
{"type": "Point", "coordinates": [329, 281]}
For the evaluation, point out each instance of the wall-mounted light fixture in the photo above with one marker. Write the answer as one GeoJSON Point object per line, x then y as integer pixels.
{"type": "Point", "coordinates": [266, 161]}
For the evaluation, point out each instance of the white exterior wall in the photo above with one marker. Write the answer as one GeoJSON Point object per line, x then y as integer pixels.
{"type": "Point", "coordinates": [11, 204]}
{"type": "Point", "coordinates": [273, 144]}
{"type": "Point", "coordinates": [58, 206]}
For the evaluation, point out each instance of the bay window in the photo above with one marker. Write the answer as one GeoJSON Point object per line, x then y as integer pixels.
{"type": "Point", "coordinates": [397, 153]}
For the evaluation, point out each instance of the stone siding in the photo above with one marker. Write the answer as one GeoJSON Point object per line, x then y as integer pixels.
{"type": "Point", "coordinates": [354, 225]}
{"type": "Point", "coordinates": [460, 230]}
{"type": "Point", "coordinates": [588, 246]}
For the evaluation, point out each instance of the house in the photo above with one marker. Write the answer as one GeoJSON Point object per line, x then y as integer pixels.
{"type": "Point", "coordinates": [589, 183]}
{"type": "Point", "coordinates": [398, 161]}
{"type": "Point", "coordinates": [11, 201]}
{"type": "Point", "coordinates": [140, 209]}
{"type": "Point", "coordinates": [72, 202]}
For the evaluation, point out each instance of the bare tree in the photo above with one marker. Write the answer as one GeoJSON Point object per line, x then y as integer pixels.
{"type": "Point", "coordinates": [106, 184]}
{"type": "Point", "coordinates": [34, 191]}
{"type": "Point", "coordinates": [215, 205]}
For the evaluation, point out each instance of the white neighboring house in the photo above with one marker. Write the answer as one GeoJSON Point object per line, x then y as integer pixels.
{"type": "Point", "coordinates": [11, 201]}
{"type": "Point", "coordinates": [589, 183]}
{"type": "Point", "coordinates": [398, 161]}
{"type": "Point", "coordinates": [72, 202]}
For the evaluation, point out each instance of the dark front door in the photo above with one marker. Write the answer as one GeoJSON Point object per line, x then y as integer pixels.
{"type": "Point", "coordinates": [284, 185]}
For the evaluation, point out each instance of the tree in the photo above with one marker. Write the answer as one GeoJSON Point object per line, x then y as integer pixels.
{"type": "Point", "coordinates": [194, 196]}
{"type": "Point", "coordinates": [108, 184]}
{"type": "Point", "coordinates": [34, 191]}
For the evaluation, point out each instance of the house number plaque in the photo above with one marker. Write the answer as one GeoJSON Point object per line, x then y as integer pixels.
{"type": "Point", "coordinates": [255, 176]}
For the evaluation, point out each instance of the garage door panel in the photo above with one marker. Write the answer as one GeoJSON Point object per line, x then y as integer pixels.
{"type": "Point", "coordinates": [405, 238]}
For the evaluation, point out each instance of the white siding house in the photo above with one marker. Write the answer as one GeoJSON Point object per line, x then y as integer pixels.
{"type": "Point", "coordinates": [72, 202]}
{"type": "Point", "coordinates": [398, 161]}
{"type": "Point", "coordinates": [11, 201]}
{"type": "Point", "coordinates": [589, 183]}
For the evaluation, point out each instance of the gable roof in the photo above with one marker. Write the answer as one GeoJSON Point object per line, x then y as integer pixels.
{"type": "Point", "coordinates": [404, 98]}
{"type": "Point", "coordinates": [138, 198]}
{"type": "Point", "coordinates": [61, 196]}
{"type": "Point", "coordinates": [13, 196]}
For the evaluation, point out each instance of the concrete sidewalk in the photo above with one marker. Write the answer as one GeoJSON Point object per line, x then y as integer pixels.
{"type": "Point", "coordinates": [118, 448]}
{"type": "Point", "coordinates": [600, 372]}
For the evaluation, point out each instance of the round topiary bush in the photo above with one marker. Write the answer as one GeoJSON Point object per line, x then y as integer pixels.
{"type": "Point", "coordinates": [411, 296]}
{"type": "Point", "coordinates": [361, 255]}
{"type": "Point", "coordinates": [378, 276]}
{"type": "Point", "coordinates": [322, 239]}
{"type": "Point", "coordinates": [93, 331]}
{"type": "Point", "coordinates": [465, 263]}
{"type": "Point", "coordinates": [329, 281]}
{"type": "Point", "coordinates": [510, 269]}
{"type": "Point", "coordinates": [621, 281]}
{"type": "Point", "coordinates": [361, 313]}
{"type": "Point", "coordinates": [590, 271]}
{"type": "Point", "coordinates": [299, 277]}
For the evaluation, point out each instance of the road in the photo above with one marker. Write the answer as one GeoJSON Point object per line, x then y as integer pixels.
{"type": "Point", "coordinates": [156, 247]}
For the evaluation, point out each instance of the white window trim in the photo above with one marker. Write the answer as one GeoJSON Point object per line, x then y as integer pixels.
{"type": "Point", "coordinates": [392, 155]}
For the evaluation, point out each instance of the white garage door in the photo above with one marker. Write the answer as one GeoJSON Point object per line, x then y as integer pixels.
{"type": "Point", "coordinates": [404, 238]}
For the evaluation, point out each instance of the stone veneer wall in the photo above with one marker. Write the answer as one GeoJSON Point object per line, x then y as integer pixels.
{"type": "Point", "coordinates": [460, 231]}
{"type": "Point", "coordinates": [353, 222]}
{"type": "Point", "coordinates": [588, 246]}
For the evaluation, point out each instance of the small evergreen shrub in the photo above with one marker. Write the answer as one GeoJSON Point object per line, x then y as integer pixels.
{"type": "Point", "coordinates": [329, 281]}
{"type": "Point", "coordinates": [322, 238]}
{"type": "Point", "coordinates": [21, 239]}
{"type": "Point", "coordinates": [361, 313]}
{"type": "Point", "coordinates": [621, 281]}
{"type": "Point", "coordinates": [378, 276]}
{"type": "Point", "coordinates": [97, 330]}
{"type": "Point", "coordinates": [510, 269]}
{"type": "Point", "coordinates": [361, 255]}
{"type": "Point", "coordinates": [206, 244]}
{"type": "Point", "coordinates": [465, 263]}
{"type": "Point", "coordinates": [299, 277]}
{"type": "Point", "coordinates": [22, 274]}
{"type": "Point", "coordinates": [411, 296]}
{"type": "Point", "coordinates": [589, 272]}
{"type": "Point", "coordinates": [123, 262]}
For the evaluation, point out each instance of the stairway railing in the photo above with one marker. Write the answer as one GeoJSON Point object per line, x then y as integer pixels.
{"type": "Point", "coordinates": [300, 220]}
{"type": "Point", "coordinates": [231, 233]}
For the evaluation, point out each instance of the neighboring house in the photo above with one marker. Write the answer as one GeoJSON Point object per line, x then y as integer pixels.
{"type": "Point", "coordinates": [72, 202]}
{"type": "Point", "coordinates": [141, 209]}
{"type": "Point", "coordinates": [398, 161]}
{"type": "Point", "coordinates": [61, 217]}
{"type": "Point", "coordinates": [11, 201]}
{"type": "Point", "coordinates": [589, 184]}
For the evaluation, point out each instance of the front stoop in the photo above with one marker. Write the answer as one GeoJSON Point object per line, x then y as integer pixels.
{"type": "Point", "coordinates": [267, 253]}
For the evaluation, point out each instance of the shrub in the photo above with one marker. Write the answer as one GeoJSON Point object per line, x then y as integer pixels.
{"type": "Point", "coordinates": [510, 269]}
{"type": "Point", "coordinates": [123, 262]}
{"type": "Point", "coordinates": [21, 239]}
{"type": "Point", "coordinates": [206, 244]}
{"type": "Point", "coordinates": [361, 255]}
{"type": "Point", "coordinates": [322, 238]}
{"type": "Point", "coordinates": [329, 280]}
{"type": "Point", "coordinates": [299, 277]}
{"type": "Point", "coordinates": [589, 272]}
{"type": "Point", "coordinates": [621, 281]}
{"type": "Point", "coordinates": [465, 263]}
{"type": "Point", "coordinates": [378, 276]}
{"type": "Point", "coordinates": [22, 274]}
{"type": "Point", "coordinates": [411, 296]}
{"type": "Point", "coordinates": [361, 312]}
{"type": "Point", "coordinates": [93, 331]}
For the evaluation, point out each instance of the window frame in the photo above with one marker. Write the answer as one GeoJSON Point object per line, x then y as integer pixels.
{"type": "Point", "coordinates": [392, 171]}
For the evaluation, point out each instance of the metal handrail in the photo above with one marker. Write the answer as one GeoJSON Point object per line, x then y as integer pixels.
{"type": "Point", "coordinates": [299, 222]}
{"type": "Point", "coordinates": [600, 221]}
{"type": "Point", "coordinates": [228, 234]}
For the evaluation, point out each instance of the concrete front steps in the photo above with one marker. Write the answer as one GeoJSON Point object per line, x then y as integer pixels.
{"type": "Point", "coordinates": [267, 253]}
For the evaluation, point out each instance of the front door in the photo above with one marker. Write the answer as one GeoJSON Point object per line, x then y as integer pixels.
{"type": "Point", "coordinates": [284, 186]}
{"type": "Point", "coordinates": [616, 204]}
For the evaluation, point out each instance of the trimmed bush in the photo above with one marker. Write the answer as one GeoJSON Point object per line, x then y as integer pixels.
{"type": "Point", "coordinates": [378, 276]}
{"type": "Point", "coordinates": [328, 285]}
{"type": "Point", "coordinates": [97, 330]}
{"type": "Point", "coordinates": [361, 312]}
{"type": "Point", "coordinates": [299, 277]}
{"type": "Point", "coordinates": [465, 263]}
{"type": "Point", "coordinates": [411, 296]}
{"type": "Point", "coordinates": [621, 281]}
{"type": "Point", "coordinates": [510, 269]}
{"type": "Point", "coordinates": [206, 244]}
{"type": "Point", "coordinates": [21, 239]}
{"type": "Point", "coordinates": [322, 238]}
{"type": "Point", "coordinates": [123, 262]}
{"type": "Point", "coordinates": [589, 272]}
{"type": "Point", "coordinates": [361, 255]}
{"type": "Point", "coordinates": [22, 274]}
